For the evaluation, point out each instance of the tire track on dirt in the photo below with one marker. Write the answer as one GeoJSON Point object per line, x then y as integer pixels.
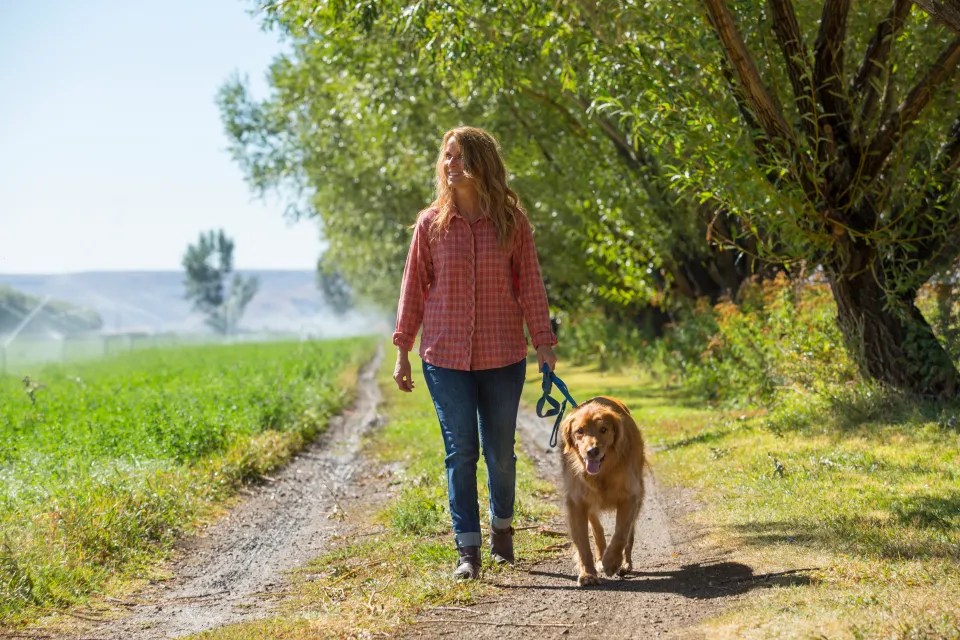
{"type": "Point", "coordinates": [234, 569]}
{"type": "Point", "coordinates": [674, 583]}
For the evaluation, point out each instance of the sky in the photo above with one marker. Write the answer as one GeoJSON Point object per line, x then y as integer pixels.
{"type": "Point", "coordinates": [112, 152]}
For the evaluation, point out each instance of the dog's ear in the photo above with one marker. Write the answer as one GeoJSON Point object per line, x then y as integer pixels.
{"type": "Point", "coordinates": [626, 434]}
{"type": "Point", "coordinates": [566, 433]}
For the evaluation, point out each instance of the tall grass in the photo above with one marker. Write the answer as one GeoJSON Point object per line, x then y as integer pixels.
{"type": "Point", "coordinates": [102, 464]}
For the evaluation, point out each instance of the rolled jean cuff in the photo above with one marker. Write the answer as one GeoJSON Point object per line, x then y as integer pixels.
{"type": "Point", "coordinates": [471, 539]}
{"type": "Point", "coordinates": [500, 523]}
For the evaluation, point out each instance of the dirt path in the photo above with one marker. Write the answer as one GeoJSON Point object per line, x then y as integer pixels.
{"type": "Point", "coordinates": [675, 584]}
{"type": "Point", "coordinates": [236, 568]}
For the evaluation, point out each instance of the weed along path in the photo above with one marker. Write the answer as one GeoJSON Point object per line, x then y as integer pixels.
{"type": "Point", "coordinates": [675, 582]}
{"type": "Point", "coordinates": [236, 569]}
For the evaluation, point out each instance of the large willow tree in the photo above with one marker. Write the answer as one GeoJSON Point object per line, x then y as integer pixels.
{"type": "Point", "coordinates": [855, 123]}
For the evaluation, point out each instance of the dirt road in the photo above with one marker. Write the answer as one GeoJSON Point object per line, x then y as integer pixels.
{"type": "Point", "coordinates": [235, 570]}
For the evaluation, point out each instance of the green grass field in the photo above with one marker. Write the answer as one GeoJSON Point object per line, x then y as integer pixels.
{"type": "Point", "coordinates": [103, 464]}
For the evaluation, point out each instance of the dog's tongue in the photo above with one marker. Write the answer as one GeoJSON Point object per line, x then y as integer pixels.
{"type": "Point", "coordinates": [593, 466]}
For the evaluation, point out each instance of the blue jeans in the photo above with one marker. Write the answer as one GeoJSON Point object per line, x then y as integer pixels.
{"type": "Point", "coordinates": [478, 408]}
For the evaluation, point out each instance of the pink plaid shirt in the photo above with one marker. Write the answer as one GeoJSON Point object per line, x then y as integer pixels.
{"type": "Point", "coordinates": [472, 296]}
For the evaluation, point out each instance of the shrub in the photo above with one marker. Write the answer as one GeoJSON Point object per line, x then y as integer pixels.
{"type": "Point", "coordinates": [779, 335]}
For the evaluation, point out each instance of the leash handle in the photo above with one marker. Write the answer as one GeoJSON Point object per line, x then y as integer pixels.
{"type": "Point", "coordinates": [556, 408]}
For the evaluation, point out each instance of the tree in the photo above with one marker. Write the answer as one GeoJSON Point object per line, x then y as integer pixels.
{"type": "Point", "coordinates": [336, 291]}
{"type": "Point", "coordinates": [208, 265]}
{"type": "Point", "coordinates": [366, 91]}
{"type": "Point", "coordinates": [651, 139]}
{"type": "Point", "coordinates": [866, 165]}
{"type": "Point", "coordinates": [947, 11]}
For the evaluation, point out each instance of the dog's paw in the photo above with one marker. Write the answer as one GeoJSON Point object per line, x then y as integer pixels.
{"type": "Point", "coordinates": [587, 579]}
{"type": "Point", "coordinates": [612, 563]}
{"type": "Point", "coordinates": [625, 569]}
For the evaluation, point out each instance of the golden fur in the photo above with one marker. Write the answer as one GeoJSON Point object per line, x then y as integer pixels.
{"type": "Point", "coordinates": [603, 464]}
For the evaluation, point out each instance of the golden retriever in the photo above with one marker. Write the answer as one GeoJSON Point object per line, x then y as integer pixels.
{"type": "Point", "coordinates": [603, 463]}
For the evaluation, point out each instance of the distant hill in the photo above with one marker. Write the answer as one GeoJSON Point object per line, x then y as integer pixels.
{"type": "Point", "coordinates": [152, 301]}
{"type": "Point", "coordinates": [40, 316]}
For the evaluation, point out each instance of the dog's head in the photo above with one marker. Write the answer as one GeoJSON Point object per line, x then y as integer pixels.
{"type": "Point", "coordinates": [596, 433]}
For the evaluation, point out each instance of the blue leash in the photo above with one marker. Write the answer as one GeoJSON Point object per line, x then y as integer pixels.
{"type": "Point", "coordinates": [556, 409]}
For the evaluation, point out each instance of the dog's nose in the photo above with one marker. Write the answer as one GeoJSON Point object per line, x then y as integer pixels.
{"type": "Point", "coordinates": [593, 452]}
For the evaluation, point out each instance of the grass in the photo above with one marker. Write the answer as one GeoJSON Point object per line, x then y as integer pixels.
{"type": "Point", "coordinates": [857, 494]}
{"type": "Point", "coordinates": [372, 583]}
{"type": "Point", "coordinates": [862, 490]}
{"type": "Point", "coordinates": [103, 465]}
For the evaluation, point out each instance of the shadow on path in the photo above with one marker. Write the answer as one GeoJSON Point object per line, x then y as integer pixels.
{"type": "Point", "coordinates": [699, 581]}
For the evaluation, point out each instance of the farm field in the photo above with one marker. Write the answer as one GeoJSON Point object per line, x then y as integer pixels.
{"type": "Point", "coordinates": [103, 464]}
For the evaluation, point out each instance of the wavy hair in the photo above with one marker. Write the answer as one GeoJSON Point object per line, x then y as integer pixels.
{"type": "Point", "coordinates": [483, 167]}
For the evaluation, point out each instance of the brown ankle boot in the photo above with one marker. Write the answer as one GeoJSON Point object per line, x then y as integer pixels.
{"type": "Point", "coordinates": [468, 566]}
{"type": "Point", "coordinates": [501, 545]}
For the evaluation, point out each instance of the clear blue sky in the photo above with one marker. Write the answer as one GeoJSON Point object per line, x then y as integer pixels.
{"type": "Point", "coordinates": [112, 153]}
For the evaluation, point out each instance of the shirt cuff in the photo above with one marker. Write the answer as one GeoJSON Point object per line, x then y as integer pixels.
{"type": "Point", "coordinates": [404, 340]}
{"type": "Point", "coordinates": [544, 338]}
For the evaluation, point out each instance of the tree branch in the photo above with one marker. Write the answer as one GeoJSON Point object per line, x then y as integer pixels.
{"type": "Point", "coordinates": [797, 60]}
{"type": "Point", "coordinates": [946, 11]}
{"type": "Point", "coordinates": [760, 101]}
{"type": "Point", "coordinates": [893, 128]}
{"type": "Point", "coordinates": [876, 57]}
{"type": "Point", "coordinates": [518, 116]}
{"type": "Point", "coordinates": [575, 125]}
{"type": "Point", "coordinates": [828, 68]}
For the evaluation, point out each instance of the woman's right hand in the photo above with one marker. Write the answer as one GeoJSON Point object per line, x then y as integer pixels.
{"type": "Point", "coordinates": [402, 373]}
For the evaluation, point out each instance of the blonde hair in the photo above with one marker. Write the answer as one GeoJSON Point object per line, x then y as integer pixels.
{"type": "Point", "coordinates": [483, 167]}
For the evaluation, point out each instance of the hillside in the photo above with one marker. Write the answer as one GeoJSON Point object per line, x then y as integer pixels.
{"type": "Point", "coordinates": [50, 317]}
{"type": "Point", "coordinates": [152, 301]}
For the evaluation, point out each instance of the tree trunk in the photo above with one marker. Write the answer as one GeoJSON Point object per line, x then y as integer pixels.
{"type": "Point", "coordinates": [895, 346]}
{"type": "Point", "coordinates": [946, 11]}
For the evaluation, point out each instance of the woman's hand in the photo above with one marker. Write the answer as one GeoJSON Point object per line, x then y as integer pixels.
{"type": "Point", "coordinates": [401, 372]}
{"type": "Point", "coordinates": [545, 354]}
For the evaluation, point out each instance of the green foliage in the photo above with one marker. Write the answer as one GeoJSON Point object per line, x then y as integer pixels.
{"type": "Point", "coordinates": [208, 265]}
{"type": "Point", "coordinates": [590, 338]}
{"type": "Point", "coordinates": [362, 98]}
{"type": "Point", "coordinates": [778, 337]}
{"type": "Point", "coordinates": [939, 300]}
{"type": "Point", "coordinates": [632, 139]}
{"type": "Point", "coordinates": [102, 463]}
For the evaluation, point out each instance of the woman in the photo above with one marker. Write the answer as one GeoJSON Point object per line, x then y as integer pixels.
{"type": "Point", "coordinates": [470, 280]}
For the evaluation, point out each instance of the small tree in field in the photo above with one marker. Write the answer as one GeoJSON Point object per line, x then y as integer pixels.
{"type": "Point", "coordinates": [208, 264]}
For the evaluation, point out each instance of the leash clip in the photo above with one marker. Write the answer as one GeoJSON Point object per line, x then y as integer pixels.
{"type": "Point", "coordinates": [556, 408]}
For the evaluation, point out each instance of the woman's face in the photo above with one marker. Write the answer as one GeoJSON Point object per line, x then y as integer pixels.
{"type": "Point", "coordinates": [453, 163]}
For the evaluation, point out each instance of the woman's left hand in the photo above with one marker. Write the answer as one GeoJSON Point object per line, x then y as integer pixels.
{"type": "Point", "coordinates": [545, 354]}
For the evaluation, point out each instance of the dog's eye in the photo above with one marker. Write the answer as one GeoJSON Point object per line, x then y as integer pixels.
{"type": "Point", "coordinates": [603, 429]}
{"type": "Point", "coordinates": [580, 431]}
